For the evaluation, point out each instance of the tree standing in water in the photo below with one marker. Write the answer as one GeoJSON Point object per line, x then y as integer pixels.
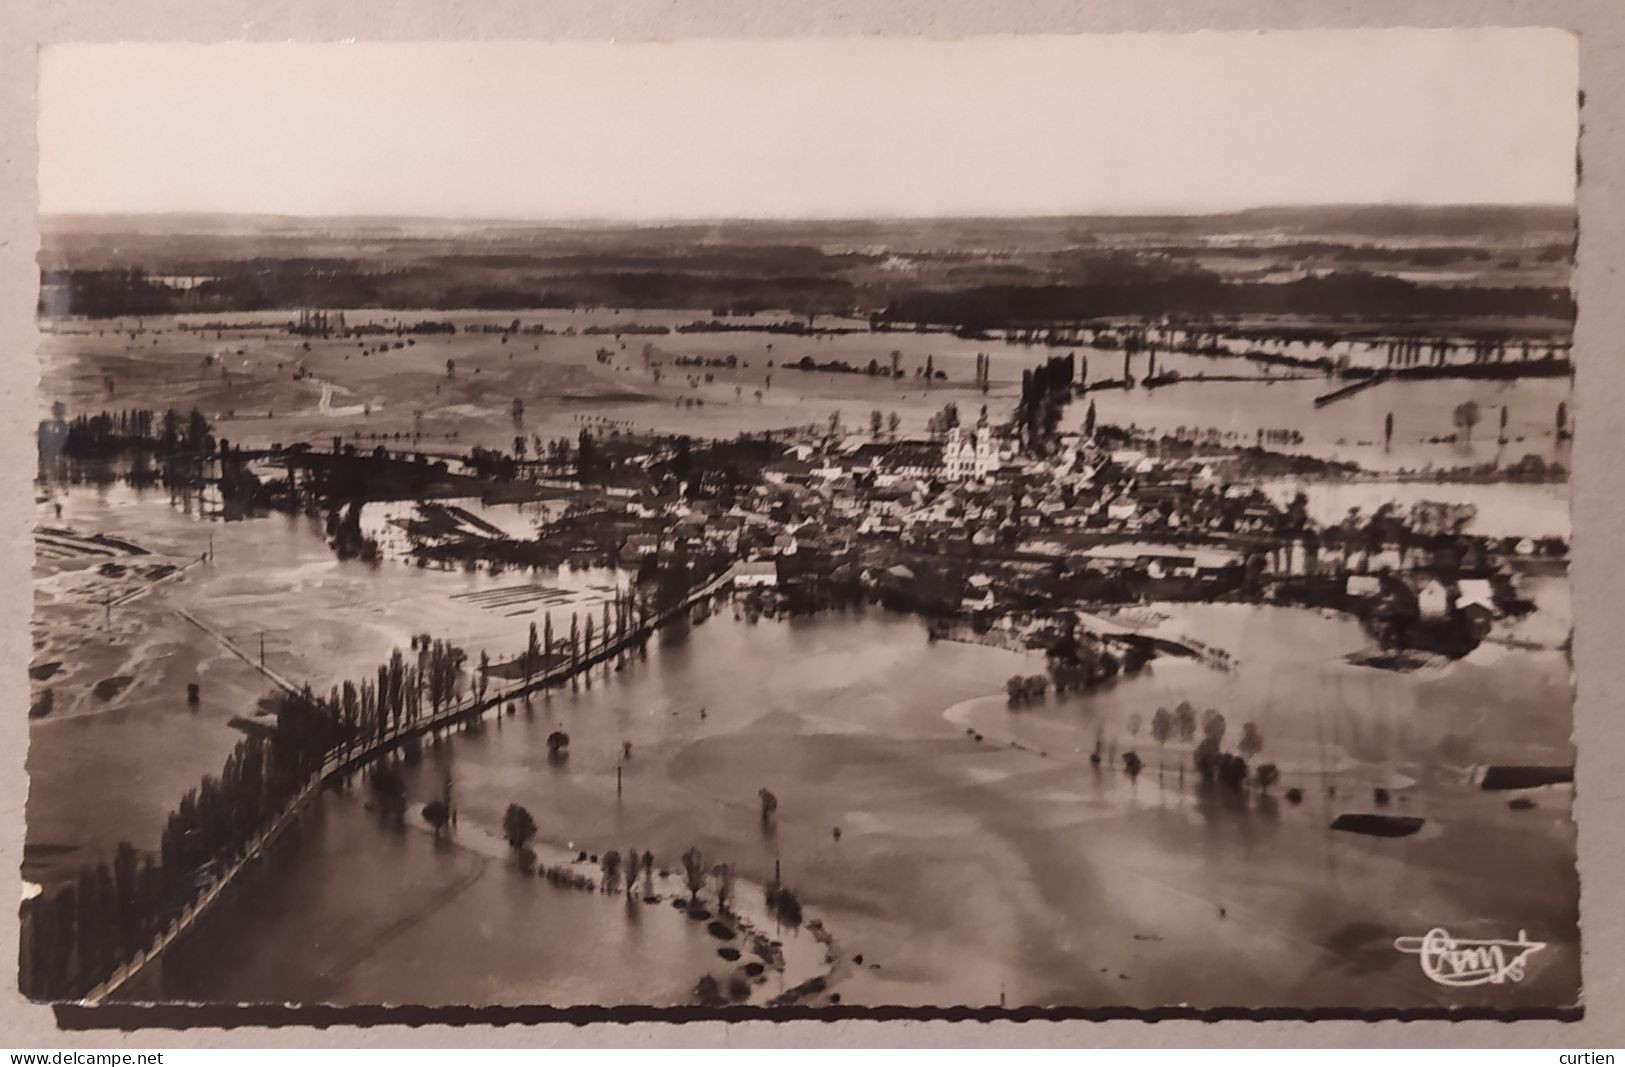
{"type": "Point", "coordinates": [1251, 742]}
{"type": "Point", "coordinates": [518, 827]}
{"type": "Point", "coordinates": [634, 864]}
{"type": "Point", "coordinates": [1185, 721]}
{"type": "Point", "coordinates": [722, 876]}
{"type": "Point", "coordinates": [694, 874]}
{"type": "Point", "coordinates": [575, 648]}
{"type": "Point", "coordinates": [1466, 417]}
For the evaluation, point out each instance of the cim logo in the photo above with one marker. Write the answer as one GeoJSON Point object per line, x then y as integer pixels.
{"type": "Point", "coordinates": [1454, 961]}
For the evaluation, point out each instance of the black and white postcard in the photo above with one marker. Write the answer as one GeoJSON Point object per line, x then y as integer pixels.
{"type": "Point", "coordinates": [1030, 523]}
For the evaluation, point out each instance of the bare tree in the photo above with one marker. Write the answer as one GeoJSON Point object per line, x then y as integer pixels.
{"type": "Point", "coordinates": [722, 876]}
{"type": "Point", "coordinates": [694, 872]}
{"type": "Point", "coordinates": [1467, 416]}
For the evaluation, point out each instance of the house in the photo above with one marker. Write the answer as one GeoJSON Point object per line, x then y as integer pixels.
{"type": "Point", "coordinates": [1386, 559]}
{"type": "Point", "coordinates": [1475, 599]}
{"type": "Point", "coordinates": [975, 604]}
{"type": "Point", "coordinates": [689, 529]}
{"type": "Point", "coordinates": [866, 456]}
{"type": "Point", "coordinates": [891, 503]}
{"type": "Point", "coordinates": [1433, 600]}
{"type": "Point", "coordinates": [1363, 587]}
{"type": "Point", "coordinates": [724, 532]}
{"type": "Point", "coordinates": [784, 545]}
{"type": "Point", "coordinates": [760, 574]}
{"type": "Point", "coordinates": [785, 470]}
{"type": "Point", "coordinates": [1159, 566]}
{"type": "Point", "coordinates": [639, 546]}
{"type": "Point", "coordinates": [912, 459]}
{"type": "Point", "coordinates": [1476, 592]}
{"type": "Point", "coordinates": [846, 503]}
{"type": "Point", "coordinates": [879, 524]}
{"type": "Point", "coordinates": [1161, 561]}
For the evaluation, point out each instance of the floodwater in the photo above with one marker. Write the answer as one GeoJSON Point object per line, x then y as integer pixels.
{"type": "Point", "coordinates": [351, 909]}
{"type": "Point", "coordinates": [1351, 430]}
{"type": "Point", "coordinates": [1503, 509]}
{"type": "Point", "coordinates": [970, 869]}
{"type": "Point", "coordinates": [106, 770]}
{"type": "Point", "coordinates": [254, 398]}
{"type": "Point", "coordinates": [966, 869]}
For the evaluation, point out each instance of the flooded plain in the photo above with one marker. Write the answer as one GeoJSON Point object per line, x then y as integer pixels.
{"type": "Point", "coordinates": [958, 851]}
{"type": "Point", "coordinates": [967, 868]}
{"type": "Point", "coordinates": [259, 385]}
{"type": "Point", "coordinates": [106, 768]}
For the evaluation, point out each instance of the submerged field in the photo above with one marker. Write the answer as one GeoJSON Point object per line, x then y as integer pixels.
{"type": "Point", "coordinates": [559, 379]}
{"type": "Point", "coordinates": [960, 851]}
{"type": "Point", "coordinates": [109, 766]}
{"type": "Point", "coordinates": [965, 870]}
{"type": "Point", "coordinates": [259, 385]}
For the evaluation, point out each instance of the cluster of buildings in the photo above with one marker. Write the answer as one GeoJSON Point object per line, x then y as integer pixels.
{"type": "Point", "coordinates": [966, 495]}
{"type": "Point", "coordinates": [1103, 517]}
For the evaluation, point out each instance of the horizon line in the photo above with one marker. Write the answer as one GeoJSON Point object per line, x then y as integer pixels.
{"type": "Point", "coordinates": [691, 220]}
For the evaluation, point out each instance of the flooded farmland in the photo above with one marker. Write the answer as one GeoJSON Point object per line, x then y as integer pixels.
{"type": "Point", "coordinates": [941, 648]}
{"type": "Point", "coordinates": [274, 384]}
{"type": "Point", "coordinates": [955, 851]}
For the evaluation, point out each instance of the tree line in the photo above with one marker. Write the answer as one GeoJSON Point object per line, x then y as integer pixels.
{"type": "Point", "coordinates": [110, 433]}
{"type": "Point", "coordinates": [78, 935]}
{"type": "Point", "coordinates": [1374, 297]}
{"type": "Point", "coordinates": [1045, 390]}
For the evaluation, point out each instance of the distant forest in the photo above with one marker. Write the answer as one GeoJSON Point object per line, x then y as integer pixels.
{"type": "Point", "coordinates": [1365, 264]}
{"type": "Point", "coordinates": [1367, 296]}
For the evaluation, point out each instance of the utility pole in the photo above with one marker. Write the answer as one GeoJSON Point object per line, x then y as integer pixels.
{"type": "Point", "coordinates": [262, 650]}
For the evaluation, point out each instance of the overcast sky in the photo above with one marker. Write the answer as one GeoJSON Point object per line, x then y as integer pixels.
{"type": "Point", "coordinates": [812, 128]}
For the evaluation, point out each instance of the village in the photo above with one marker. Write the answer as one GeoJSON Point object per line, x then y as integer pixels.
{"type": "Point", "coordinates": [987, 528]}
